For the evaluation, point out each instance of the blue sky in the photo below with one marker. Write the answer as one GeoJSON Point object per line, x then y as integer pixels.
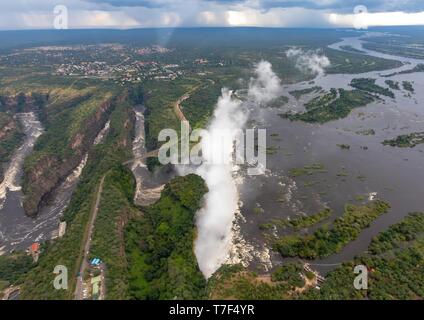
{"type": "Point", "coordinates": [34, 14]}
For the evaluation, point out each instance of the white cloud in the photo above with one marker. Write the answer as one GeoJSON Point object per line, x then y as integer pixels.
{"type": "Point", "coordinates": [19, 14]}
{"type": "Point", "coordinates": [368, 19]}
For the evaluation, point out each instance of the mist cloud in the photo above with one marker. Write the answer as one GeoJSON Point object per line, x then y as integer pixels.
{"type": "Point", "coordinates": [308, 61]}
{"type": "Point", "coordinates": [266, 85]}
{"type": "Point", "coordinates": [215, 219]}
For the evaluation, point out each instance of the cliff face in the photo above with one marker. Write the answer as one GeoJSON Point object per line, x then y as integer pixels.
{"type": "Point", "coordinates": [10, 137]}
{"type": "Point", "coordinates": [49, 167]}
{"type": "Point", "coordinates": [22, 102]}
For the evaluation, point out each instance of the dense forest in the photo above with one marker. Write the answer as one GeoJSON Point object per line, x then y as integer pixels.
{"type": "Point", "coordinates": [159, 245]}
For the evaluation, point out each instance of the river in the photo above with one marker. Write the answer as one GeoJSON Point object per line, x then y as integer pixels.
{"type": "Point", "coordinates": [17, 230]}
{"type": "Point", "coordinates": [368, 169]}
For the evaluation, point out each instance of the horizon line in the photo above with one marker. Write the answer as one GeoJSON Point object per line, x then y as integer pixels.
{"type": "Point", "coordinates": [211, 27]}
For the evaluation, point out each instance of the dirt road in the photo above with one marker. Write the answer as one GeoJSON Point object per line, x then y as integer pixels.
{"type": "Point", "coordinates": [87, 243]}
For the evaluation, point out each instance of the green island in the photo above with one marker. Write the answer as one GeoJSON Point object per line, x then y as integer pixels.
{"type": "Point", "coordinates": [394, 85]}
{"type": "Point", "coordinates": [407, 85]}
{"type": "Point", "coordinates": [329, 240]}
{"type": "Point", "coordinates": [418, 68]}
{"type": "Point", "coordinates": [322, 100]}
{"type": "Point", "coordinates": [338, 109]}
{"type": "Point", "coordinates": [406, 140]}
{"type": "Point", "coordinates": [366, 132]}
{"type": "Point", "coordinates": [368, 85]}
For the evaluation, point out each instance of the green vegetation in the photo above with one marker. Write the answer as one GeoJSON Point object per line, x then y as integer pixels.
{"type": "Point", "coordinates": [407, 85]}
{"type": "Point", "coordinates": [351, 49]}
{"type": "Point", "coordinates": [395, 271]}
{"type": "Point", "coordinates": [299, 93]}
{"type": "Point", "coordinates": [290, 273]}
{"type": "Point", "coordinates": [67, 251]}
{"type": "Point", "coordinates": [278, 102]}
{"type": "Point", "coordinates": [107, 244]}
{"type": "Point", "coordinates": [400, 47]}
{"type": "Point", "coordinates": [366, 132]}
{"type": "Point", "coordinates": [234, 282]}
{"type": "Point", "coordinates": [199, 107]}
{"type": "Point", "coordinates": [368, 85]}
{"type": "Point", "coordinates": [406, 140]}
{"type": "Point", "coordinates": [417, 68]}
{"type": "Point", "coordinates": [271, 150]}
{"type": "Point", "coordinates": [395, 267]}
{"type": "Point", "coordinates": [326, 241]}
{"type": "Point", "coordinates": [11, 136]}
{"type": "Point", "coordinates": [72, 119]}
{"type": "Point", "coordinates": [308, 221]}
{"type": "Point", "coordinates": [353, 62]}
{"type": "Point", "coordinates": [322, 100]}
{"type": "Point", "coordinates": [394, 85]}
{"type": "Point", "coordinates": [344, 146]}
{"type": "Point", "coordinates": [307, 170]}
{"type": "Point", "coordinates": [159, 245]}
{"type": "Point", "coordinates": [299, 223]}
{"type": "Point", "coordinates": [13, 267]}
{"type": "Point", "coordinates": [337, 109]}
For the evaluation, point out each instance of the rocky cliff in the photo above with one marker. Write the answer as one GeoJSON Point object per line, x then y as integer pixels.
{"type": "Point", "coordinates": [10, 137]}
{"type": "Point", "coordinates": [57, 155]}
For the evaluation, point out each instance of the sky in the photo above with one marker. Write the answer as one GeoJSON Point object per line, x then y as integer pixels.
{"type": "Point", "coordinates": [41, 14]}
